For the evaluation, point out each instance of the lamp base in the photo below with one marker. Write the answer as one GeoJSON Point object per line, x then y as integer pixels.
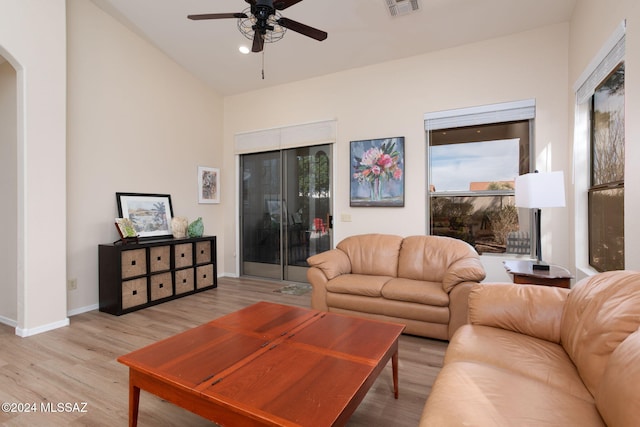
{"type": "Point", "coordinates": [540, 266]}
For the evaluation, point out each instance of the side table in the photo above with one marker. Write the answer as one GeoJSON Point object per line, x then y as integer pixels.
{"type": "Point", "coordinates": [523, 273]}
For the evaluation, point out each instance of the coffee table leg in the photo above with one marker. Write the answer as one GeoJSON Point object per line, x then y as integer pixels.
{"type": "Point", "coordinates": [394, 366]}
{"type": "Point", "coordinates": [134, 402]}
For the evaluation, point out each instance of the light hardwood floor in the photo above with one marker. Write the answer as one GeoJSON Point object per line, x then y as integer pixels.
{"type": "Point", "coordinates": [77, 364]}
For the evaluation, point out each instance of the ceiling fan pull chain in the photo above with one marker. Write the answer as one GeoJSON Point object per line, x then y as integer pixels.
{"type": "Point", "coordinates": [263, 64]}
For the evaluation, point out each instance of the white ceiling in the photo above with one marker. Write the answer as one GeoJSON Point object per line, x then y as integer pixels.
{"type": "Point", "coordinates": [361, 32]}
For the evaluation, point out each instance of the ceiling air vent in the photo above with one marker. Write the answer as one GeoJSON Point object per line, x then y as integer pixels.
{"type": "Point", "coordinates": [402, 7]}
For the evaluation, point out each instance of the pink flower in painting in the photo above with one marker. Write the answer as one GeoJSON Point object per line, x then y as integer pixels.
{"type": "Point", "coordinates": [378, 163]}
{"type": "Point", "coordinates": [370, 157]}
{"type": "Point", "coordinates": [385, 161]}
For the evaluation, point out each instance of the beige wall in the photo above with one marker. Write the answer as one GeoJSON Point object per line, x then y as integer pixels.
{"type": "Point", "coordinates": [390, 99]}
{"type": "Point", "coordinates": [32, 39]}
{"type": "Point", "coordinates": [139, 123]}
{"type": "Point", "coordinates": [8, 193]}
{"type": "Point", "coordinates": [593, 23]}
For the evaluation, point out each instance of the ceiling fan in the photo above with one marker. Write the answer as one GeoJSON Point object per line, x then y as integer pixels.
{"type": "Point", "coordinates": [262, 22]}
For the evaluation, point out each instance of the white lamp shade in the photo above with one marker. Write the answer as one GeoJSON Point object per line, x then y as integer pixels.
{"type": "Point", "coordinates": [540, 190]}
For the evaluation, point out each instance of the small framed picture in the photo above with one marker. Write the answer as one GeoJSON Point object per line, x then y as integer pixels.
{"type": "Point", "coordinates": [125, 228]}
{"type": "Point", "coordinates": [150, 214]}
{"type": "Point", "coordinates": [208, 185]}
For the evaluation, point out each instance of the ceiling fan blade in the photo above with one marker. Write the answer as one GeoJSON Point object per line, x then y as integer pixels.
{"type": "Point", "coordinates": [258, 42]}
{"type": "Point", "coordinates": [303, 29]}
{"type": "Point", "coordinates": [217, 16]}
{"type": "Point", "coordinates": [283, 4]}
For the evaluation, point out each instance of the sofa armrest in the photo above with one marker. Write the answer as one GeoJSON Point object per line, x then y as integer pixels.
{"type": "Point", "coordinates": [318, 282]}
{"type": "Point", "coordinates": [332, 263]}
{"type": "Point", "coordinates": [464, 270]}
{"type": "Point", "coordinates": [532, 310]}
{"type": "Point", "coordinates": [324, 267]}
{"type": "Point", "coordinates": [459, 306]}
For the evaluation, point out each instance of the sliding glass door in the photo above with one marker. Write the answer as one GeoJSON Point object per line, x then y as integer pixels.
{"type": "Point", "coordinates": [285, 211]}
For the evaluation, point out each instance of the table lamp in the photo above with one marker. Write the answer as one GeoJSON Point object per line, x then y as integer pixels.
{"type": "Point", "coordinates": [536, 191]}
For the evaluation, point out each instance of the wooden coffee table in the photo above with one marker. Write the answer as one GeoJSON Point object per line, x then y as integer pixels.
{"type": "Point", "coordinates": [267, 365]}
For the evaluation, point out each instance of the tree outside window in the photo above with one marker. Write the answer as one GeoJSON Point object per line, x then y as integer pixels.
{"type": "Point", "coordinates": [472, 182]}
{"type": "Point", "coordinates": [606, 193]}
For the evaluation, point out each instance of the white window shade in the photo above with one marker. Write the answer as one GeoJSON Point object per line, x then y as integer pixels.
{"type": "Point", "coordinates": [481, 115]}
{"type": "Point", "coordinates": [255, 142]}
{"type": "Point", "coordinates": [607, 59]}
{"type": "Point", "coordinates": [304, 135]}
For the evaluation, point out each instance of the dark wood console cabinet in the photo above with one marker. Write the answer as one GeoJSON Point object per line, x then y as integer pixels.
{"type": "Point", "coordinates": [139, 275]}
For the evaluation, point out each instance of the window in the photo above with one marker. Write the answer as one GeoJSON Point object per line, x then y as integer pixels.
{"type": "Point", "coordinates": [599, 158]}
{"type": "Point", "coordinates": [471, 186]}
{"type": "Point", "coordinates": [606, 191]}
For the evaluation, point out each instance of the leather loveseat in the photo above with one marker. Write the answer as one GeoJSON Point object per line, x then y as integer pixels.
{"type": "Point", "coordinates": [543, 356]}
{"type": "Point", "coordinates": [419, 281]}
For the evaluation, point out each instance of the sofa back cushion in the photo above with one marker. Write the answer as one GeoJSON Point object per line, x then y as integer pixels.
{"type": "Point", "coordinates": [429, 258]}
{"type": "Point", "coordinates": [601, 312]}
{"type": "Point", "coordinates": [374, 254]}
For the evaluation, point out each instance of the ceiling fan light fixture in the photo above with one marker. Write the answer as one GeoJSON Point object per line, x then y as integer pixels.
{"type": "Point", "coordinates": [247, 26]}
{"type": "Point", "coordinates": [262, 22]}
{"type": "Point", "coordinates": [245, 50]}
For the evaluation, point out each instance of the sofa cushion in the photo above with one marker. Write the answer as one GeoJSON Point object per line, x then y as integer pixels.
{"type": "Point", "coordinates": [358, 284]}
{"type": "Point", "coordinates": [600, 312]}
{"type": "Point", "coordinates": [430, 257]}
{"type": "Point", "coordinates": [419, 291]}
{"type": "Point", "coordinates": [483, 395]}
{"type": "Point", "coordinates": [373, 254]}
{"type": "Point", "coordinates": [530, 357]}
{"type": "Point", "coordinates": [391, 308]}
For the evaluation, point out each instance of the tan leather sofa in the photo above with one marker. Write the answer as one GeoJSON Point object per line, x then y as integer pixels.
{"type": "Point", "coordinates": [420, 281]}
{"type": "Point", "coordinates": [543, 356]}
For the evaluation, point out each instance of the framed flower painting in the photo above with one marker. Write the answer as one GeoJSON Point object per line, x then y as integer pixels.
{"type": "Point", "coordinates": [377, 172]}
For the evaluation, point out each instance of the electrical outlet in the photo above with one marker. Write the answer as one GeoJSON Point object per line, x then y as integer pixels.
{"type": "Point", "coordinates": [72, 284]}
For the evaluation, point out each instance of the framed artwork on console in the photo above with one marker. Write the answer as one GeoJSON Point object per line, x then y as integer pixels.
{"type": "Point", "coordinates": [377, 172]}
{"type": "Point", "coordinates": [150, 213]}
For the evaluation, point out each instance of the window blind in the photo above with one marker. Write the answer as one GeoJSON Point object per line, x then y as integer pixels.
{"type": "Point", "coordinates": [324, 132]}
{"type": "Point", "coordinates": [607, 59]}
{"type": "Point", "coordinates": [481, 115]}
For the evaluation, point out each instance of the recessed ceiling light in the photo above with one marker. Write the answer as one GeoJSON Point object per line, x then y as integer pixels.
{"type": "Point", "coordinates": [402, 7]}
{"type": "Point", "coordinates": [244, 50]}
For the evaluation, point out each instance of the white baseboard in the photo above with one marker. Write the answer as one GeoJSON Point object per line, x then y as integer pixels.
{"type": "Point", "coordinates": [81, 310]}
{"type": "Point", "coordinates": [92, 307]}
{"type": "Point", "coordinates": [8, 322]}
{"type": "Point", "coordinates": [232, 275]}
{"type": "Point", "coordinates": [27, 332]}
